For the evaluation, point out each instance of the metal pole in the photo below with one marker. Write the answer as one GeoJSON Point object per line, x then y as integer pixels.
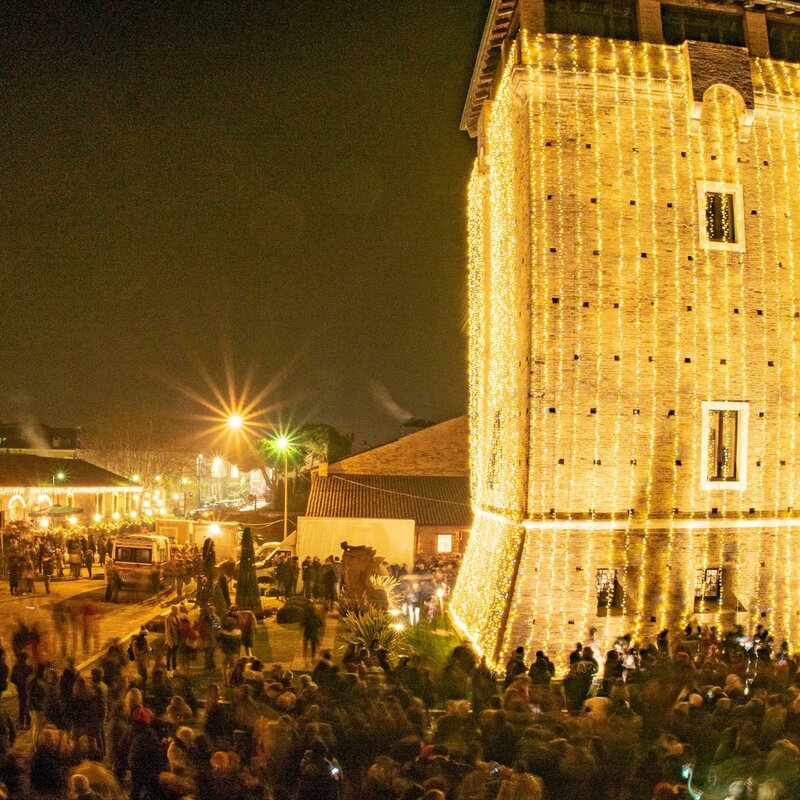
{"type": "Point", "coordinates": [285, 494]}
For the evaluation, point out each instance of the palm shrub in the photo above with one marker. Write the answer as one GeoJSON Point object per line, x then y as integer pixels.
{"type": "Point", "coordinates": [376, 625]}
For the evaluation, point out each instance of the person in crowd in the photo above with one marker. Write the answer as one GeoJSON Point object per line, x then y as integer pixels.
{"type": "Point", "coordinates": [81, 789]}
{"type": "Point", "coordinates": [20, 676]}
{"type": "Point", "coordinates": [141, 650]}
{"type": "Point", "coordinates": [88, 561]}
{"type": "Point", "coordinates": [47, 570]}
{"type": "Point", "coordinates": [313, 626]}
{"type": "Point", "coordinates": [246, 622]}
{"type": "Point", "coordinates": [515, 666]}
{"type": "Point", "coordinates": [172, 639]}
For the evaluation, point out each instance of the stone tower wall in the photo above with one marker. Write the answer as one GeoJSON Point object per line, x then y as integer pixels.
{"type": "Point", "coordinates": [599, 324]}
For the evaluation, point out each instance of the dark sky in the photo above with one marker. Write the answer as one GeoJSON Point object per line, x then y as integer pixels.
{"type": "Point", "coordinates": [270, 184]}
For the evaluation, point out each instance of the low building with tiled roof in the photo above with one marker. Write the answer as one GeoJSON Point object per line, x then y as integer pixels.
{"type": "Point", "coordinates": [410, 496]}
{"type": "Point", "coordinates": [36, 487]}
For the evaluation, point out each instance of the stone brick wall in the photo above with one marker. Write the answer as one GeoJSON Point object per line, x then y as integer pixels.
{"type": "Point", "coordinates": [556, 595]}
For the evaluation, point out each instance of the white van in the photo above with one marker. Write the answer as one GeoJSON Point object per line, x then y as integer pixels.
{"type": "Point", "coordinates": [140, 559]}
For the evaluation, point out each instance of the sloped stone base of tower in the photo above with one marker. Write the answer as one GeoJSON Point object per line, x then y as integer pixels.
{"type": "Point", "coordinates": [562, 590]}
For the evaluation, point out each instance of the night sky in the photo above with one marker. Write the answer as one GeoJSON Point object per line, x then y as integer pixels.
{"type": "Point", "coordinates": [275, 185]}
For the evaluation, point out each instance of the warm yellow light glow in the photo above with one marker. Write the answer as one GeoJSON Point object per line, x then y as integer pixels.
{"type": "Point", "coordinates": [73, 520]}
{"type": "Point", "coordinates": [44, 522]}
{"type": "Point", "coordinates": [135, 477]}
{"type": "Point", "coordinates": [97, 517]}
{"type": "Point", "coordinates": [133, 514]}
{"type": "Point", "coordinates": [115, 515]}
{"type": "Point", "coordinates": [282, 443]}
{"type": "Point", "coordinates": [214, 529]}
{"type": "Point", "coordinates": [158, 479]}
{"type": "Point", "coordinates": [235, 422]}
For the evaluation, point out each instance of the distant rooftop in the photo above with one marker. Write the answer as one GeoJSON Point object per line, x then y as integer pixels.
{"type": "Point", "coordinates": [441, 449]}
{"type": "Point", "coordinates": [24, 471]}
{"type": "Point", "coordinates": [36, 436]}
{"type": "Point", "coordinates": [428, 500]}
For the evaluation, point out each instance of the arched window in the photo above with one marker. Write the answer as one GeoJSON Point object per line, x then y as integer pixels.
{"type": "Point", "coordinates": [16, 508]}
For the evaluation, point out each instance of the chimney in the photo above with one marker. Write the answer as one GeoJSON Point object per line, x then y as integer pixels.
{"type": "Point", "coordinates": [323, 469]}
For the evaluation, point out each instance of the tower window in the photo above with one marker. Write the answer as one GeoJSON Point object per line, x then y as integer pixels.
{"type": "Point", "coordinates": [612, 19]}
{"type": "Point", "coordinates": [720, 219]}
{"type": "Point", "coordinates": [707, 587]}
{"type": "Point", "coordinates": [720, 216]}
{"type": "Point", "coordinates": [723, 453]}
{"type": "Point", "coordinates": [784, 40]}
{"type": "Point", "coordinates": [608, 590]}
{"type": "Point", "coordinates": [680, 23]}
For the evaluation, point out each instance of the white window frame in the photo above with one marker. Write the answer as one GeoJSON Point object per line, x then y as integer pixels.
{"type": "Point", "coordinates": [741, 445]}
{"type": "Point", "coordinates": [734, 189]}
{"type": "Point", "coordinates": [439, 538]}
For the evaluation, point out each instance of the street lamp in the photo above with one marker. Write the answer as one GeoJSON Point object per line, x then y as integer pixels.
{"type": "Point", "coordinates": [235, 422]}
{"type": "Point", "coordinates": [282, 443]}
{"type": "Point", "coordinates": [58, 476]}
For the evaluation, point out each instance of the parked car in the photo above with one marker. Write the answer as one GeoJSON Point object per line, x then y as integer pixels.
{"type": "Point", "coordinates": [267, 559]}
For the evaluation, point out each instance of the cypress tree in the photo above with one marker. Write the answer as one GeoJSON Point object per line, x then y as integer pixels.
{"type": "Point", "coordinates": [247, 595]}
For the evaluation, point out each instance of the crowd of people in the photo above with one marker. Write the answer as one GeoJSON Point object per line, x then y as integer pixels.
{"type": "Point", "coordinates": [53, 555]}
{"type": "Point", "coordinates": [191, 709]}
{"type": "Point", "coordinates": [657, 721]}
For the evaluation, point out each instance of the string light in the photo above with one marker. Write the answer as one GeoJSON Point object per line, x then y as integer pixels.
{"type": "Point", "coordinates": [789, 81]}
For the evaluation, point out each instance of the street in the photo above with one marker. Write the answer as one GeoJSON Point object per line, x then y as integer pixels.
{"type": "Point", "coordinates": [113, 620]}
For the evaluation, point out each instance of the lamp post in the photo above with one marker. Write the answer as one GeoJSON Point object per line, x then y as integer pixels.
{"type": "Point", "coordinates": [57, 476]}
{"type": "Point", "coordinates": [282, 443]}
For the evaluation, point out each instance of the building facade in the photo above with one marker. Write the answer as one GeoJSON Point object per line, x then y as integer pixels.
{"type": "Point", "coordinates": [421, 478]}
{"type": "Point", "coordinates": [633, 222]}
{"type": "Point", "coordinates": [61, 492]}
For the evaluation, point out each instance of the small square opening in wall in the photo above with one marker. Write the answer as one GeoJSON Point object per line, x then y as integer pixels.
{"type": "Point", "coordinates": [723, 450]}
{"type": "Point", "coordinates": [721, 216]}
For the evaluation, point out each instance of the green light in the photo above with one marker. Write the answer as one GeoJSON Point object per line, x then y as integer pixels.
{"type": "Point", "coordinates": [60, 476]}
{"type": "Point", "coordinates": [282, 443]}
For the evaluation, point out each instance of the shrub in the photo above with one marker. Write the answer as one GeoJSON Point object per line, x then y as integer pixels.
{"type": "Point", "coordinates": [375, 624]}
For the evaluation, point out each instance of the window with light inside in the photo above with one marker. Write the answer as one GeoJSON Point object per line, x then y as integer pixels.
{"type": "Point", "coordinates": [444, 543]}
{"type": "Point", "coordinates": [720, 216]}
{"type": "Point", "coordinates": [708, 584]}
{"type": "Point", "coordinates": [721, 443]}
{"type": "Point", "coordinates": [606, 588]}
{"type": "Point", "coordinates": [724, 445]}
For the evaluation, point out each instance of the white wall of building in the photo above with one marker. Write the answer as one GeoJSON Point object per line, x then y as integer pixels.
{"type": "Point", "coordinates": [393, 539]}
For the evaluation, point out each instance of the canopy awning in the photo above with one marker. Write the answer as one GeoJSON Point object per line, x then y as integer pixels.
{"type": "Point", "coordinates": [57, 511]}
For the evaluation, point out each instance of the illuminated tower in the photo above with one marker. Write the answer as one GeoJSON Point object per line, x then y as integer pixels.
{"type": "Point", "coordinates": [634, 216]}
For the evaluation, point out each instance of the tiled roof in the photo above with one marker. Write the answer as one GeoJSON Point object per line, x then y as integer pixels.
{"type": "Point", "coordinates": [441, 449]}
{"type": "Point", "coordinates": [428, 500]}
{"type": "Point", "coordinates": [19, 471]}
